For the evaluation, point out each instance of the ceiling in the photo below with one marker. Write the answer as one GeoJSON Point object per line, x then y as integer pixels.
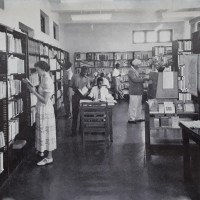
{"type": "Point", "coordinates": [127, 11]}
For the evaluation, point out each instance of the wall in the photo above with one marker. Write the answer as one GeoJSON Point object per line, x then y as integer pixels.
{"type": "Point", "coordinates": [28, 13]}
{"type": "Point", "coordinates": [113, 37]}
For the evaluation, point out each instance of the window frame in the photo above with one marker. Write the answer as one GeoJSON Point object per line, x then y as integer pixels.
{"type": "Point", "coordinates": [157, 33]}
{"type": "Point", "coordinates": [44, 22]}
{"type": "Point", "coordinates": [55, 31]}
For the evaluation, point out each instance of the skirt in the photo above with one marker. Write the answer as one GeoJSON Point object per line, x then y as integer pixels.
{"type": "Point", "coordinates": [45, 138]}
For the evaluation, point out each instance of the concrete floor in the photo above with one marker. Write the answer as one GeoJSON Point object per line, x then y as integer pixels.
{"type": "Point", "coordinates": [122, 173]}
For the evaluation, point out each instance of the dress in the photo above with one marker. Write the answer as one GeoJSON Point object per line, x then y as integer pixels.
{"type": "Point", "coordinates": [45, 118]}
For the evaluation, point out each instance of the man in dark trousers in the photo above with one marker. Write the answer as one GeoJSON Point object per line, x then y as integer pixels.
{"type": "Point", "coordinates": [67, 75]}
{"type": "Point", "coordinates": [78, 82]}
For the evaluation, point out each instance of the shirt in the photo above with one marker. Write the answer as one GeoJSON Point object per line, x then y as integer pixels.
{"type": "Point", "coordinates": [115, 73]}
{"type": "Point", "coordinates": [100, 94]}
{"type": "Point", "coordinates": [106, 82]}
{"type": "Point", "coordinates": [79, 82]}
{"type": "Point", "coordinates": [67, 76]}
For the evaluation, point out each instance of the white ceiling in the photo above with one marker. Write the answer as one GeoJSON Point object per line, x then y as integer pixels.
{"type": "Point", "coordinates": [128, 11]}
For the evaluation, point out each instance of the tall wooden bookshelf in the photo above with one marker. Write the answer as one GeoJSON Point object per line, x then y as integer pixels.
{"type": "Point", "coordinates": [13, 59]}
{"type": "Point", "coordinates": [180, 48]}
{"type": "Point", "coordinates": [18, 53]}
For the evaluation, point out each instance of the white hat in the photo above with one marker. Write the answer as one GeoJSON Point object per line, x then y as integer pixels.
{"type": "Point", "coordinates": [136, 62]}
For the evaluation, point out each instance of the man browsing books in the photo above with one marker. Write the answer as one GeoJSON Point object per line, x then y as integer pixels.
{"type": "Point", "coordinates": [78, 82]}
{"type": "Point", "coordinates": [67, 75]}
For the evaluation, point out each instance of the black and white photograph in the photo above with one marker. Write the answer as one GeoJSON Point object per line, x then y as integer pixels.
{"type": "Point", "coordinates": [99, 99]}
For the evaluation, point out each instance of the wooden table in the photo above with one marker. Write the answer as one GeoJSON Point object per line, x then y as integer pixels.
{"type": "Point", "coordinates": [110, 107]}
{"type": "Point", "coordinates": [188, 133]}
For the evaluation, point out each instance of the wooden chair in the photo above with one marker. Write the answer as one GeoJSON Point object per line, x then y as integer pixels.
{"type": "Point", "coordinates": [94, 123]}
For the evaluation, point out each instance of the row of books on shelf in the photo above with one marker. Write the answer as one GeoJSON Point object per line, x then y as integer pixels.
{"type": "Point", "coordinates": [33, 99]}
{"type": "Point", "coordinates": [44, 50]}
{"type": "Point", "coordinates": [33, 115]}
{"type": "Point", "coordinates": [14, 87]}
{"type": "Point", "coordinates": [165, 121]}
{"type": "Point", "coordinates": [58, 75]}
{"type": "Point", "coordinates": [14, 44]}
{"type": "Point", "coordinates": [184, 96]}
{"type": "Point", "coordinates": [53, 64]}
{"type": "Point", "coordinates": [15, 107]}
{"type": "Point", "coordinates": [2, 89]}
{"type": "Point", "coordinates": [13, 128]}
{"type": "Point", "coordinates": [181, 57]}
{"type": "Point", "coordinates": [1, 162]}
{"type": "Point", "coordinates": [59, 103]}
{"type": "Point", "coordinates": [34, 79]}
{"type": "Point", "coordinates": [124, 78]}
{"type": "Point", "coordinates": [123, 56]}
{"type": "Point", "coordinates": [184, 45]}
{"type": "Point", "coordinates": [2, 140]}
{"type": "Point", "coordinates": [53, 52]}
{"type": "Point", "coordinates": [59, 93]}
{"type": "Point", "coordinates": [182, 84]}
{"type": "Point", "coordinates": [169, 107]}
{"type": "Point", "coordinates": [15, 65]}
{"type": "Point", "coordinates": [124, 86]}
{"type": "Point", "coordinates": [3, 41]}
{"type": "Point", "coordinates": [33, 47]}
{"type": "Point", "coordinates": [161, 50]}
{"type": "Point", "coordinates": [32, 60]}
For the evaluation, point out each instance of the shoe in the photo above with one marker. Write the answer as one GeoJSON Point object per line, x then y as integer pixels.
{"type": "Point", "coordinates": [139, 120]}
{"type": "Point", "coordinates": [131, 121]}
{"type": "Point", "coordinates": [45, 161]}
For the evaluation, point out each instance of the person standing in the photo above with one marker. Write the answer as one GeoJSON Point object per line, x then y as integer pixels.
{"type": "Point", "coordinates": [117, 82]}
{"type": "Point", "coordinates": [135, 92]}
{"type": "Point", "coordinates": [78, 82]}
{"type": "Point", "coordinates": [67, 75]}
{"type": "Point", "coordinates": [45, 117]}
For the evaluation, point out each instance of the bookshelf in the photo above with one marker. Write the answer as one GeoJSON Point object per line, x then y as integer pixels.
{"type": "Point", "coordinates": [18, 54]}
{"type": "Point", "coordinates": [180, 48]}
{"type": "Point", "coordinates": [13, 59]}
{"type": "Point", "coordinates": [105, 61]}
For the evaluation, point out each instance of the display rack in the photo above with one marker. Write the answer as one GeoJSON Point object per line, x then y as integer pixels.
{"type": "Point", "coordinates": [180, 49]}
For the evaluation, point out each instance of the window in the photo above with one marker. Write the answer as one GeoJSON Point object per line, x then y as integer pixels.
{"type": "Point", "coordinates": [2, 4]}
{"type": "Point", "coordinates": [55, 31]}
{"type": "Point", "coordinates": [44, 22]}
{"type": "Point", "coordinates": [151, 36]}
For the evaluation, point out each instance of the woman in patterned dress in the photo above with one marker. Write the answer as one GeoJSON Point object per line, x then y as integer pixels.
{"type": "Point", "coordinates": [45, 117]}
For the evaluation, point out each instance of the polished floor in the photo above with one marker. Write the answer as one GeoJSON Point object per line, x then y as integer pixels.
{"type": "Point", "coordinates": [122, 173]}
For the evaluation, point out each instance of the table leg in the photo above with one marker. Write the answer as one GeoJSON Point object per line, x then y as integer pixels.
{"type": "Point", "coordinates": [110, 124]}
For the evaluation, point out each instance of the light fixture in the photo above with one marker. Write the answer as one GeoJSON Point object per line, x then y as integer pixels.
{"type": "Point", "coordinates": [91, 17]}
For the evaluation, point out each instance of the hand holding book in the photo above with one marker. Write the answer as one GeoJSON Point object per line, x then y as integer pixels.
{"type": "Point", "coordinates": [29, 84]}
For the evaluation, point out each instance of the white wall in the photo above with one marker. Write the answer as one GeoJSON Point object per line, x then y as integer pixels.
{"type": "Point", "coordinates": [112, 37]}
{"type": "Point", "coordinates": [28, 13]}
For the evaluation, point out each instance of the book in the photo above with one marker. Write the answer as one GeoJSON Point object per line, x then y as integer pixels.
{"type": "Point", "coordinates": [161, 108]}
{"type": "Point", "coordinates": [189, 107]}
{"type": "Point", "coordinates": [169, 107]}
{"type": "Point", "coordinates": [164, 121]}
{"type": "Point", "coordinates": [83, 91]}
{"type": "Point", "coordinates": [27, 81]}
{"type": "Point", "coordinates": [175, 121]}
{"type": "Point", "coordinates": [179, 108]}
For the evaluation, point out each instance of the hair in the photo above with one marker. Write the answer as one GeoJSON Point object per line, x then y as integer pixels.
{"type": "Point", "coordinates": [102, 74]}
{"type": "Point", "coordinates": [84, 69]}
{"type": "Point", "coordinates": [68, 64]}
{"type": "Point", "coordinates": [42, 65]}
{"type": "Point", "coordinates": [99, 79]}
{"type": "Point", "coordinates": [117, 65]}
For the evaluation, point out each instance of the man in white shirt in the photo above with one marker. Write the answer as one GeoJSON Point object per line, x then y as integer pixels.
{"type": "Point", "coordinates": [99, 92]}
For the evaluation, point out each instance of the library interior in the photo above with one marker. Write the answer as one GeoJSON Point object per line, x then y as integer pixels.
{"type": "Point", "coordinates": [99, 99]}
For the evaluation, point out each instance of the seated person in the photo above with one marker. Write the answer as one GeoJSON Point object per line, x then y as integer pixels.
{"type": "Point", "coordinates": [99, 92]}
{"type": "Point", "coordinates": [105, 80]}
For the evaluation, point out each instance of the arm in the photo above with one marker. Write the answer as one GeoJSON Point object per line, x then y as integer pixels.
{"type": "Point", "coordinates": [44, 99]}
{"type": "Point", "coordinates": [132, 76]}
